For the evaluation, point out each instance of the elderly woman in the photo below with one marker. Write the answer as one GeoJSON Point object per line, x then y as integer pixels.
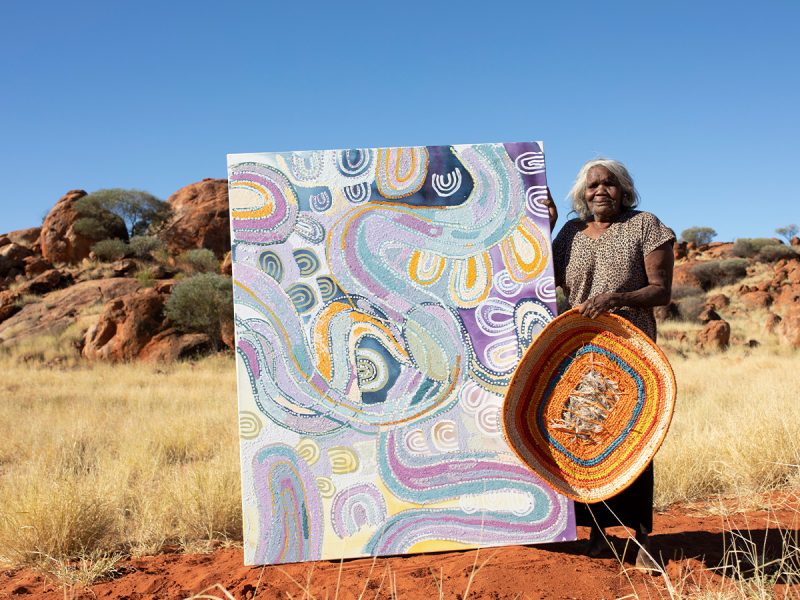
{"type": "Point", "coordinates": [617, 259]}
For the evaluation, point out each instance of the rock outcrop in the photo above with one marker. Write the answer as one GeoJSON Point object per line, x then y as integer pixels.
{"type": "Point", "coordinates": [59, 240]}
{"type": "Point", "coordinates": [716, 335]}
{"type": "Point", "coordinates": [789, 329]}
{"type": "Point", "coordinates": [61, 308]}
{"type": "Point", "coordinates": [170, 345]}
{"type": "Point", "coordinates": [200, 218]}
{"type": "Point", "coordinates": [125, 326]}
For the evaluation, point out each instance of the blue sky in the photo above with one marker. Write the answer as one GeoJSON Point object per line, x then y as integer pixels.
{"type": "Point", "coordinates": [699, 99]}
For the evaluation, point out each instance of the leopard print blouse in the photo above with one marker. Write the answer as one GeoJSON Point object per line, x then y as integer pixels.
{"type": "Point", "coordinates": [614, 262]}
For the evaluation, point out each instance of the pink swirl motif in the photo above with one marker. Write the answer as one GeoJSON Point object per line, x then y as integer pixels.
{"type": "Point", "coordinates": [271, 218]}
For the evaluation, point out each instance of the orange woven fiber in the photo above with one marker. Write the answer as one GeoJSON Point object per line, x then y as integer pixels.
{"type": "Point", "coordinates": [589, 405]}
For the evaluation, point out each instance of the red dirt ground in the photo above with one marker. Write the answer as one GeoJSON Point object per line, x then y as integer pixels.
{"type": "Point", "coordinates": [692, 540]}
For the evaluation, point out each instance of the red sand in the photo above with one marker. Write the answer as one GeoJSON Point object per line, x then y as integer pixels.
{"type": "Point", "coordinates": [691, 540]}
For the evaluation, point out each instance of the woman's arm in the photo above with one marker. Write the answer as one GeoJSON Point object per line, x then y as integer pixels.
{"type": "Point", "coordinates": [658, 291]}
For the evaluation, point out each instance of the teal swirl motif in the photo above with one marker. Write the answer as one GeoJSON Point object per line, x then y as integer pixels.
{"type": "Point", "coordinates": [327, 288]}
{"type": "Point", "coordinates": [302, 296]}
{"type": "Point", "coordinates": [307, 261]}
{"type": "Point", "coordinates": [271, 264]}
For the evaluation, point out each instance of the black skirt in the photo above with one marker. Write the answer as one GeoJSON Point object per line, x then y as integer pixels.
{"type": "Point", "coordinates": [632, 507]}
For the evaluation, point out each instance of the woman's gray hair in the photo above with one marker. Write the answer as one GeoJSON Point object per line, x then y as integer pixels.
{"type": "Point", "coordinates": [630, 197]}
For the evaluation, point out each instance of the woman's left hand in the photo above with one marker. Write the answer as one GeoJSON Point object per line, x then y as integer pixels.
{"type": "Point", "coordinates": [598, 305]}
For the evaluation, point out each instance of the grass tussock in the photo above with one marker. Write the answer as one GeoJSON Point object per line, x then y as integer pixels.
{"type": "Point", "coordinates": [104, 460]}
{"type": "Point", "coordinates": [123, 458]}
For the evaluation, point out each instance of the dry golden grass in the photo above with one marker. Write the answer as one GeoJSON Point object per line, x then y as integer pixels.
{"type": "Point", "coordinates": [108, 459]}
{"type": "Point", "coordinates": [116, 458]}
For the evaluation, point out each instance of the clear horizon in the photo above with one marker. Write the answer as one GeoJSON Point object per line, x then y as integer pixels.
{"type": "Point", "coordinates": [698, 100]}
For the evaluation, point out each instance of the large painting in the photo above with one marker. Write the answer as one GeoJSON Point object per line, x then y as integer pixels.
{"type": "Point", "coordinates": [383, 300]}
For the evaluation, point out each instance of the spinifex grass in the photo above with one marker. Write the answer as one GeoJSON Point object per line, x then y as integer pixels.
{"type": "Point", "coordinates": [126, 458]}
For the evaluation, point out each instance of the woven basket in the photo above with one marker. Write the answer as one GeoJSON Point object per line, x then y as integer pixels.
{"type": "Point", "coordinates": [589, 405]}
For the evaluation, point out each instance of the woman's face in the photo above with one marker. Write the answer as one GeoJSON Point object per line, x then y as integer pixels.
{"type": "Point", "coordinates": [603, 194]}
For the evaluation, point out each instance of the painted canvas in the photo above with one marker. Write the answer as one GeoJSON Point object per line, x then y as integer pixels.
{"type": "Point", "coordinates": [383, 299]}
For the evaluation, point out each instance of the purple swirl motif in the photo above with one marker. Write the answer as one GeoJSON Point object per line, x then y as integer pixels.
{"type": "Point", "coordinates": [289, 507]}
{"type": "Point", "coordinates": [355, 507]}
{"type": "Point", "coordinates": [271, 218]}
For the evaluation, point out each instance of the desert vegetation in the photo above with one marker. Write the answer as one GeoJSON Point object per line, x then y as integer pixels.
{"type": "Point", "coordinates": [118, 450]}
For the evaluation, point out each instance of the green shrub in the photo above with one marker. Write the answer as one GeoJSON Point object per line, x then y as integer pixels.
{"type": "Point", "coordinates": [202, 303]}
{"type": "Point", "coordinates": [720, 272]}
{"type": "Point", "coordinates": [690, 307]}
{"type": "Point", "coordinates": [685, 291]}
{"type": "Point", "coordinates": [749, 247]}
{"type": "Point", "coordinates": [108, 250]}
{"type": "Point", "coordinates": [776, 252]}
{"type": "Point", "coordinates": [143, 246]}
{"type": "Point", "coordinates": [199, 260]}
{"type": "Point", "coordinates": [96, 222]}
{"type": "Point", "coordinates": [698, 235]}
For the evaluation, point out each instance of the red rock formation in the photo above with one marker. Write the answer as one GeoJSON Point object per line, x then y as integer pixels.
{"type": "Point", "coordinates": [716, 335]}
{"type": "Point", "coordinates": [26, 237]}
{"type": "Point", "coordinates": [36, 265]}
{"type": "Point", "coordinates": [200, 218]}
{"type": "Point", "coordinates": [718, 301]}
{"type": "Point", "coordinates": [59, 240]}
{"type": "Point", "coordinates": [171, 345]}
{"type": "Point", "coordinates": [756, 299]}
{"type": "Point", "coordinates": [59, 309]}
{"type": "Point", "coordinates": [12, 260]}
{"type": "Point", "coordinates": [48, 281]}
{"type": "Point", "coordinates": [125, 326]}
{"type": "Point", "coordinates": [789, 330]}
{"type": "Point", "coordinates": [708, 314]}
{"type": "Point", "coordinates": [683, 276]}
{"type": "Point", "coordinates": [771, 323]}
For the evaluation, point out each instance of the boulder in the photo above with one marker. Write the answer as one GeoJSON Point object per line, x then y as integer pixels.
{"type": "Point", "coordinates": [48, 281]}
{"type": "Point", "coordinates": [200, 218]}
{"type": "Point", "coordinates": [26, 237]}
{"type": "Point", "coordinates": [683, 276]}
{"type": "Point", "coordinates": [795, 241]}
{"type": "Point", "coordinates": [771, 323]}
{"type": "Point", "coordinates": [789, 330]}
{"type": "Point", "coordinates": [125, 326]}
{"type": "Point", "coordinates": [59, 309]}
{"type": "Point", "coordinates": [8, 305]}
{"type": "Point", "coordinates": [59, 240]}
{"type": "Point", "coordinates": [718, 301]}
{"type": "Point", "coordinates": [123, 267]}
{"type": "Point", "coordinates": [788, 295]}
{"type": "Point", "coordinates": [708, 314]}
{"type": "Point", "coordinates": [756, 299]}
{"type": "Point", "coordinates": [35, 265]}
{"type": "Point", "coordinates": [12, 259]}
{"type": "Point", "coordinates": [679, 250]}
{"type": "Point", "coordinates": [669, 311]}
{"type": "Point", "coordinates": [171, 345]}
{"type": "Point", "coordinates": [716, 335]}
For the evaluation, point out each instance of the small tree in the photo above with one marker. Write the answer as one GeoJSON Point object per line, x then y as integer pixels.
{"type": "Point", "coordinates": [202, 303]}
{"type": "Point", "coordinates": [698, 235]}
{"type": "Point", "coordinates": [140, 211]}
{"type": "Point", "coordinates": [788, 232]}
